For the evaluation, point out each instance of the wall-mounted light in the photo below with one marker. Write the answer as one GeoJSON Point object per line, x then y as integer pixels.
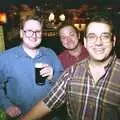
{"type": "Point", "coordinates": [80, 27]}
{"type": "Point", "coordinates": [51, 17]}
{"type": "Point", "coordinates": [3, 18]}
{"type": "Point", "coordinates": [62, 17]}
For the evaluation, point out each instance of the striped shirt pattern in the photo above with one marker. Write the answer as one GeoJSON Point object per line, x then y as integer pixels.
{"type": "Point", "coordinates": [86, 100]}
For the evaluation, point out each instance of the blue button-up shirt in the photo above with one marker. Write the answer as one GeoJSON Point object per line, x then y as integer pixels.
{"type": "Point", "coordinates": [17, 77]}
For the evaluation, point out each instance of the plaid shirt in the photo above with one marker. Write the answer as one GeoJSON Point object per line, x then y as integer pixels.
{"type": "Point", "coordinates": [86, 100]}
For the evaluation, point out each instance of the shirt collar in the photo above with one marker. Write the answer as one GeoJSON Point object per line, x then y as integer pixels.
{"type": "Point", "coordinates": [20, 52]}
{"type": "Point", "coordinates": [111, 61]}
{"type": "Point", "coordinates": [109, 65]}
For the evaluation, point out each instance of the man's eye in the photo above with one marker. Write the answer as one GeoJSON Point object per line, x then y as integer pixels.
{"type": "Point", "coordinates": [72, 34]}
{"type": "Point", "coordinates": [91, 37]}
{"type": "Point", "coordinates": [105, 36]}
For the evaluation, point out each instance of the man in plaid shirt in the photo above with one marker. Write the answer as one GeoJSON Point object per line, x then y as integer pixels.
{"type": "Point", "coordinates": [90, 88]}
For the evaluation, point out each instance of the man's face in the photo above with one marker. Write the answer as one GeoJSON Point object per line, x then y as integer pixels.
{"type": "Point", "coordinates": [31, 34]}
{"type": "Point", "coordinates": [69, 37]}
{"type": "Point", "coordinates": [99, 41]}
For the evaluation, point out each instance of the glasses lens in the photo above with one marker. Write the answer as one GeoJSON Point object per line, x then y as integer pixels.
{"type": "Point", "coordinates": [91, 37]}
{"type": "Point", "coordinates": [105, 37]}
{"type": "Point", "coordinates": [30, 33]}
{"type": "Point", "coordinates": [38, 33]}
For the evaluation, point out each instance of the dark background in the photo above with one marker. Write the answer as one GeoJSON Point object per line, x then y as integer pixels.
{"type": "Point", "coordinates": [53, 42]}
{"type": "Point", "coordinates": [65, 3]}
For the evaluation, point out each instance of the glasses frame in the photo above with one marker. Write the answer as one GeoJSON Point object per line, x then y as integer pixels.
{"type": "Point", "coordinates": [37, 33]}
{"type": "Point", "coordinates": [94, 37]}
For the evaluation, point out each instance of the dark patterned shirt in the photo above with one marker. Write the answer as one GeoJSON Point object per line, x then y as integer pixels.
{"type": "Point", "coordinates": [67, 59]}
{"type": "Point", "coordinates": [86, 100]}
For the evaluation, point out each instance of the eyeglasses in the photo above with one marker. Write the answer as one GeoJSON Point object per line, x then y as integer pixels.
{"type": "Point", "coordinates": [105, 37]}
{"type": "Point", "coordinates": [30, 33]}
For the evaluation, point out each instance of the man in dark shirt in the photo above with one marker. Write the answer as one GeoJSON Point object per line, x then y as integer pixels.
{"type": "Point", "coordinates": [74, 49]}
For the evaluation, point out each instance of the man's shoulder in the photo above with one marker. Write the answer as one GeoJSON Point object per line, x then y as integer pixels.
{"type": "Point", "coordinates": [79, 65]}
{"type": "Point", "coordinates": [45, 49]}
{"type": "Point", "coordinates": [10, 51]}
{"type": "Point", "coordinates": [76, 70]}
{"type": "Point", "coordinates": [82, 63]}
{"type": "Point", "coordinates": [117, 63]}
{"type": "Point", "coordinates": [63, 53]}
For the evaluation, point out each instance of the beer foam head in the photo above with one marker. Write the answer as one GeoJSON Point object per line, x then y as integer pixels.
{"type": "Point", "coordinates": [38, 65]}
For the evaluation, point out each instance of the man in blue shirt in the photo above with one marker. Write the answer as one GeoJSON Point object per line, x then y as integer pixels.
{"type": "Point", "coordinates": [18, 89]}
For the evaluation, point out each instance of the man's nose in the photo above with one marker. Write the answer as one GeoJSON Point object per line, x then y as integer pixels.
{"type": "Point", "coordinates": [67, 38]}
{"type": "Point", "coordinates": [34, 34]}
{"type": "Point", "coordinates": [98, 40]}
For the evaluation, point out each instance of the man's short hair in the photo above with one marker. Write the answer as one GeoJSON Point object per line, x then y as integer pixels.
{"type": "Point", "coordinates": [66, 25]}
{"type": "Point", "coordinates": [30, 17]}
{"type": "Point", "coordinates": [101, 17]}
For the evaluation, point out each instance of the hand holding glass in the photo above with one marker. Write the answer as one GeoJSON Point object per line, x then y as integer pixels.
{"type": "Point", "coordinates": [38, 78]}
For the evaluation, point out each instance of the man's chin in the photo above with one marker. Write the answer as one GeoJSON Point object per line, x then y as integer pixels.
{"type": "Point", "coordinates": [70, 48]}
{"type": "Point", "coordinates": [100, 59]}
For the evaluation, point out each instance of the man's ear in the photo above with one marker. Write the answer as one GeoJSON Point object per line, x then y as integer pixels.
{"type": "Point", "coordinates": [114, 40]}
{"type": "Point", "coordinates": [85, 42]}
{"type": "Point", "coordinates": [78, 35]}
{"type": "Point", "coordinates": [21, 33]}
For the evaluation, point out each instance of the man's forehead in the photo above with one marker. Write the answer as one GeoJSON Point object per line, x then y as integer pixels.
{"type": "Point", "coordinates": [95, 27]}
{"type": "Point", "coordinates": [32, 23]}
{"type": "Point", "coordinates": [67, 28]}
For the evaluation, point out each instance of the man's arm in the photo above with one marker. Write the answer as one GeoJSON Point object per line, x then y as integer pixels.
{"type": "Point", "coordinates": [37, 112]}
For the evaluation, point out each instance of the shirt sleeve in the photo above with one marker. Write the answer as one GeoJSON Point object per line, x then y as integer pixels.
{"type": "Point", "coordinates": [4, 101]}
{"type": "Point", "coordinates": [57, 95]}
